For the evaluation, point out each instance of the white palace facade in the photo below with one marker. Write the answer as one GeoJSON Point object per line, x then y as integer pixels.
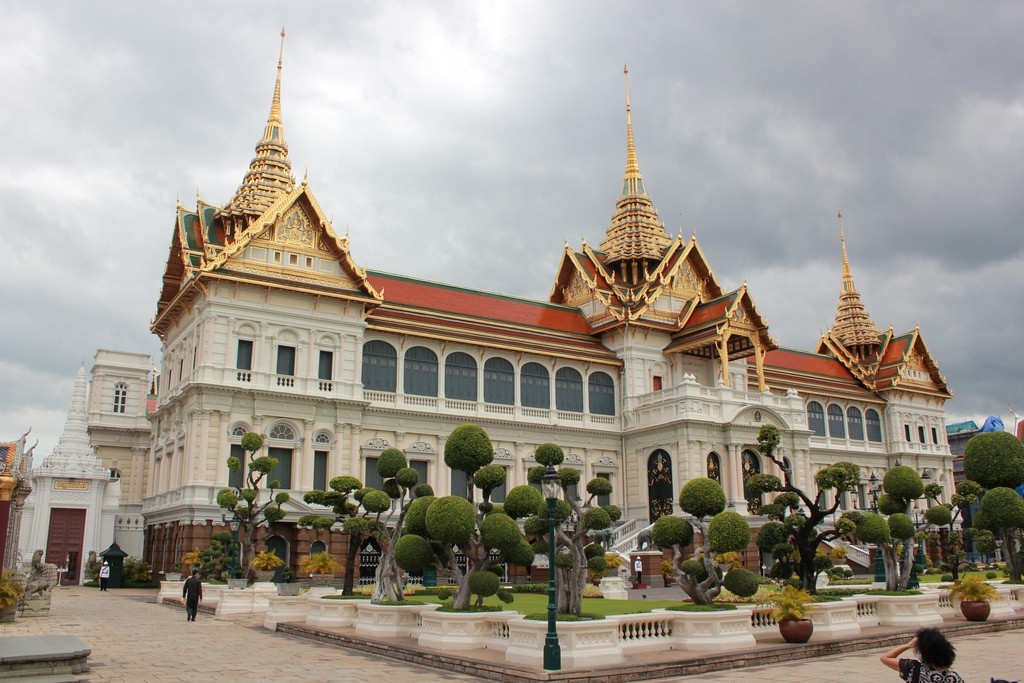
{"type": "Point", "coordinates": [639, 364]}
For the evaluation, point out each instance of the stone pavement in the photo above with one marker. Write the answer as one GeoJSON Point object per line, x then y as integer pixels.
{"type": "Point", "coordinates": [134, 639]}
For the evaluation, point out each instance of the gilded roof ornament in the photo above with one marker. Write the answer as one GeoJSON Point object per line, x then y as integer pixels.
{"type": "Point", "coordinates": [635, 233]}
{"type": "Point", "coordinates": [853, 326]}
{"type": "Point", "coordinates": [270, 172]}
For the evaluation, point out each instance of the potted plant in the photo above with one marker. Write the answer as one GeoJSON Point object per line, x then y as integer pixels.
{"type": "Point", "coordinates": [612, 562]}
{"type": "Point", "coordinates": [319, 565]}
{"type": "Point", "coordinates": [191, 559]}
{"type": "Point", "coordinates": [11, 590]}
{"type": "Point", "coordinates": [174, 574]}
{"type": "Point", "coordinates": [974, 594]}
{"type": "Point", "coordinates": [264, 565]}
{"type": "Point", "coordinates": [789, 608]}
{"type": "Point", "coordinates": [668, 573]}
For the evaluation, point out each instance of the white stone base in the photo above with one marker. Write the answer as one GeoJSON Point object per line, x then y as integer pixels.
{"type": "Point", "coordinates": [390, 621]}
{"type": "Point", "coordinates": [834, 619]}
{"type": "Point", "coordinates": [170, 590]}
{"type": "Point", "coordinates": [715, 631]}
{"type": "Point", "coordinates": [911, 611]}
{"type": "Point", "coordinates": [285, 608]}
{"type": "Point", "coordinates": [323, 612]}
{"type": "Point", "coordinates": [449, 631]}
{"type": "Point", "coordinates": [613, 588]}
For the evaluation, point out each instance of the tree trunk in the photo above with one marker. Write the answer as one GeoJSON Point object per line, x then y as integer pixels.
{"type": "Point", "coordinates": [906, 563]}
{"type": "Point", "coordinates": [388, 579]}
{"type": "Point", "coordinates": [891, 572]}
{"type": "Point", "coordinates": [1010, 551]}
{"type": "Point", "coordinates": [354, 541]}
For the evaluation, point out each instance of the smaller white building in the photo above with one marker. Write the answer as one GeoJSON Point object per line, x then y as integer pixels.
{"type": "Point", "coordinates": [74, 499]}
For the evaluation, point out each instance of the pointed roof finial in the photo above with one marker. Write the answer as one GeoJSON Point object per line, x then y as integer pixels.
{"type": "Point", "coordinates": [270, 171]}
{"type": "Point", "coordinates": [635, 232]}
{"type": "Point", "coordinates": [853, 326]}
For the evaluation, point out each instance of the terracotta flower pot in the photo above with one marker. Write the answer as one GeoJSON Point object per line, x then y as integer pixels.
{"type": "Point", "coordinates": [975, 611]}
{"type": "Point", "coordinates": [796, 630]}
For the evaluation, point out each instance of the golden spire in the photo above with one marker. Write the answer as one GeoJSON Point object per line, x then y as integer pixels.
{"type": "Point", "coordinates": [270, 171]}
{"type": "Point", "coordinates": [853, 326]}
{"type": "Point", "coordinates": [635, 232]}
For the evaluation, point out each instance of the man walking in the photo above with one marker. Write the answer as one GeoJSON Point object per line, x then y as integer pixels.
{"type": "Point", "coordinates": [192, 592]}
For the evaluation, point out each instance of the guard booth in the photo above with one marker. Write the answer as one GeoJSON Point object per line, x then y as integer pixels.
{"type": "Point", "coordinates": [114, 556]}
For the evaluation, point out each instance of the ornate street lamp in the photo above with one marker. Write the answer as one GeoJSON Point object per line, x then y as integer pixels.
{"type": "Point", "coordinates": [551, 485]}
{"type": "Point", "coordinates": [234, 567]}
{"type": "Point", "coordinates": [879, 561]}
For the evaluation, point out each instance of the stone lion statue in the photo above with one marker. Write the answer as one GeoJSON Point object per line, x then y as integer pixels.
{"type": "Point", "coordinates": [41, 579]}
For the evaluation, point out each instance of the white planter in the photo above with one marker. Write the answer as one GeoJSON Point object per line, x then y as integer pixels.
{"type": "Point", "coordinates": [583, 644]}
{"type": "Point", "coordinates": [450, 631]}
{"type": "Point", "coordinates": [612, 588]}
{"type": "Point", "coordinates": [171, 590]}
{"type": "Point", "coordinates": [834, 619]}
{"type": "Point", "coordinates": [327, 613]}
{"type": "Point", "coordinates": [390, 621]}
{"type": "Point", "coordinates": [285, 608]}
{"type": "Point", "coordinates": [720, 630]}
{"type": "Point", "coordinates": [912, 611]}
{"type": "Point", "coordinates": [235, 602]}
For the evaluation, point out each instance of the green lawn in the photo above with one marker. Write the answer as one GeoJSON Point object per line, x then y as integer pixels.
{"type": "Point", "coordinates": [937, 578]}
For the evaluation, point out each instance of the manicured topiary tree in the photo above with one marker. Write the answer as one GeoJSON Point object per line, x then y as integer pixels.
{"type": "Point", "coordinates": [699, 576]}
{"type": "Point", "coordinates": [435, 527]}
{"type": "Point", "coordinates": [947, 516]}
{"type": "Point", "coordinates": [341, 499]}
{"type": "Point", "coordinates": [244, 503]}
{"type": "Point", "coordinates": [901, 485]}
{"type": "Point", "coordinates": [575, 521]}
{"type": "Point", "coordinates": [800, 513]}
{"type": "Point", "coordinates": [995, 460]}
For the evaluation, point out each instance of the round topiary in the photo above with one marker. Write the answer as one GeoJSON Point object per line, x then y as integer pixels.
{"type": "Point", "coordinates": [939, 515]}
{"type": "Point", "coordinates": [376, 502]}
{"type": "Point", "coordinates": [521, 554]}
{"type": "Point", "coordinates": [694, 569]}
{"type": "Point", "coordinates": [563, 561]}
{"type": "Point", "coordinates": [670, 530]}
{"type": "Point", "coordinates": [946, 577]}
{"type": "Point", "coordinates": [728, 532]}
{"type": "Point", "coordinates": [407, 477]}
{"type": "Point", "coordinates": [549, 454]}
{"type": "Point", "coordinates": [770, 535]}
{"type": "Point", "coordinates": [234, 463]}
{"type": "Point", "coordinates": [468, 448]}
{"type": "Point", "coordinates": [489, 477]}
{"type": "Point", "coordinates": [423, 491]}
{"type": "Point", "coordinates": [890, 505]}
{"type": "Point", "coordinates": [484, 584]}
{"type": "Point", "coordinates": [451, 519]}
{"type": "Point", "coordinates": [873, 528]}
{"type": "Point", "coordinates": [599, 486]}
{"type": "Point", "coordinates": [413, 553]}
{"type": "Point", "coordinates": [569, 476]}
{"type": "Point", "coordinates": [788, 499]}
{"type": "Point", "coordinates": [1003, 508]}
{"type": "Point", "coordinates": [499, 531]}
{"type": "Point", "coordinates": [901, 526]}
{"type": "Point", "coordinates": [523, 501]}
{"type": "Point", "coordinates": [345, 484]}
{"type": "Point", "coordinates": [904, 483]}
{"type": "Point", "coordinates": [596, 519]}
{"type": "Point", "coordinates": [252, 442]}
{"type": "Point", "coordinates": [741, 581]}
{"type": "Point", "coordinates": [416, 516]}
{"type": "Point", "coordinates": [389, 462]}
{"type": "Point", "coordinates": [536, 526]}
{"type": "Point", "coordinates": [614, 512]}
{"type": "Point", "coordinates": [597, 564]}
{"type": "Point", "coordinates": [391, 487]}
{"type": "Point", "coordinates": [994, 459]}
{"type": "Point", "coordinates": [593, 550]}
{"type": "Point", "coordinates": [702, 497]}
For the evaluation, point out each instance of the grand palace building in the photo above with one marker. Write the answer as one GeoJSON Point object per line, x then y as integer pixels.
{"type": "Point", "coordinates": [639, 364]}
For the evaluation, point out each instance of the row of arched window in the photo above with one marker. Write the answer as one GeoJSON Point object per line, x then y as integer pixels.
{"type": "Point", "coordinates": [422, 370]}
{"type": "Point", "coordinates": [841, 425]}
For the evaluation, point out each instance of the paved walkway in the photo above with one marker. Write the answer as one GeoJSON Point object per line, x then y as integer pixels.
{"type": "Point", "coordinates": [134, 639]}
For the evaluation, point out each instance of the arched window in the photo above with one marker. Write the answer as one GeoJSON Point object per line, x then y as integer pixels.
{"type": "Point", "coordinates": [836, 425]}
{"type": "Point", "coordinates": [420, 371]}
{"type": "Point", "coordinates": [816, 418]}
{"type": "Point", "coordinates": [380, 366]}
{"type": "Point", "coordinates": [120, 397]}
{"type": "Point", "coordinates": [534, 386]}
{"type": "Point", "coordinates": [714, 467]}
{"type": "Point", "coordinates": [874, 425]}
{"type": "Point", "coordinates": [499, 382]}
{"type": "Point", "coordinates": [856, 423]}
{"type": "Point", "coordinates": [282, 431]}
{"type": "Point", "coordinates": [602, 394]}
{"type": "Point", "coordinates": [317, 547]}
{"type": "Point", "coordinates": [751, 466]}
{"type": "Point", "coordinates": [460, 377]}
{"type": "Point", "coordinates": [568, 390]}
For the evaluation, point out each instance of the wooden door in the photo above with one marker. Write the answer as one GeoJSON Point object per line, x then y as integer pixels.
{"type": "Point", "coordinates": [64, 541]}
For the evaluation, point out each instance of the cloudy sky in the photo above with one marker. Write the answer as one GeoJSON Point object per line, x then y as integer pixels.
{"type": "Point", "coordinates": [467, 141]}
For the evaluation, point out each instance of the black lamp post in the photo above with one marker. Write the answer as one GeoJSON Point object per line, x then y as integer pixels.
{"type": "Point", "coordinates": [234, 568]}
{"type": "Point", "coordinates": [879, 561]}
{"type": "Point", "coordinates": [551, 485]}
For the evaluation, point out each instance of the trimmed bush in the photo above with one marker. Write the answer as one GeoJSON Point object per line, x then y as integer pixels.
{"type": "Point", "coordinates": [702, 497]}
{"type": "Point", "coordinates": [451, 519]}
{"type": "Point", "coordinates": [407, 477]}
{"type": "Point", "coordinates": [390, 461]}
{"type": "Point", "coordinates": [489, 477]}
{"type": "Point", "coordinates": [500, 531]}
{"type": "Point", "coordinates": [413, 553]}
{"type": "Point", "coordinates": [728, 532]}
{"type": "Point", "coordinates": [548, 454]}
{"type": "Point", "coordinates": [468, 448]}
{"type": "Point", "coordinates": [670, 530]}
{"type": "Point", "coordinates": [994, 459]}
{"type": "Point", "coordinates": [741, 581]}
{"type": "Point", "coordinates": [523, 501]}
{"type": "Point", "coordinates": [484, 584]}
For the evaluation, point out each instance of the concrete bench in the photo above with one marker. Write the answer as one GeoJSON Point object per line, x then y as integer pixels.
{"type": "Point", "coordinates": [43, 657]}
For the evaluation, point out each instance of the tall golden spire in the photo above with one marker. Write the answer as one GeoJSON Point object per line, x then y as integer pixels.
{"type": "Point", "coordinates": [853, 326]}
{"type": "Point", "coordinates": [635, 233]}
{"type": "Point", "coordinates": [270, 171]}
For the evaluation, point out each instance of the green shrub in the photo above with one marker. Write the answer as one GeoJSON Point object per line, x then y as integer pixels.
{"type": "Point", "coordinates": [994, 459]}
{"type": "Point", "coordinates": [946, 577]}
{"type": "Point", "coordinates": [670, 530]}
{"type": "Point", "coordinates": [702, 497]}
{"type": "Point", "coordinates": [468, 448]}
{"type": "Point", "coordinates": [532, 588]}
{"type": "Point", "coordinates": [713, 607]}
{"type": "Point", "coordinates": [407, 477]}
{"type": "Point", "coordinates": [694, 568]}
{"type": "Point", "coordinates": [549, 454]}
{"type": "Point", "coordinates": [728, 532]}
{"type": "Point", "coordinates": [742, 582]}
{"type": "Point", "coordinates": [390, 461]}
{"type": "Point", "coordinates": [484, 584]}
{"type": "Point", "coordinates": [990, 575]}
{"type": "Point", "coordinates": [451, 519]}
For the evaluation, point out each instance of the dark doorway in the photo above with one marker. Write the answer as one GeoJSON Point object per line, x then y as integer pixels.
{"type": "Point", "coordinates": [659, 484]}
